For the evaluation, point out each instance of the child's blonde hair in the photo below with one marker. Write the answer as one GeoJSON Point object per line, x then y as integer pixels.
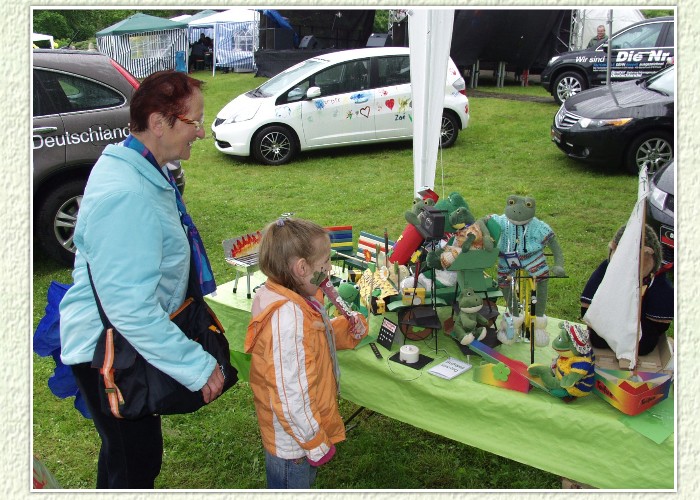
{"type": "Point", "coordinates": [284, 240]}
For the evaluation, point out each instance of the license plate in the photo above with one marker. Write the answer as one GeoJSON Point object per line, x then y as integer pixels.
{"type": "Point", "coordinates": [556, 136]}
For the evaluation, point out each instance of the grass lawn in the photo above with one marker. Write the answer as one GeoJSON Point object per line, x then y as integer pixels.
{"type": "Point", "coordinates": [505, 149]}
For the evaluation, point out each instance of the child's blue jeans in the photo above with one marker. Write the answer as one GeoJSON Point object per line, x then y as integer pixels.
{"type": "Point", "coordinates": [288, 473]}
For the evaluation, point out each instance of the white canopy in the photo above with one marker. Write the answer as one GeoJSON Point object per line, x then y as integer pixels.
{"type": "Point", "coordinates": [235, 35]}
{"type": "Point", "coordinates": [237, 15]}
{"type": "Point", "coordinates": [584, 23]}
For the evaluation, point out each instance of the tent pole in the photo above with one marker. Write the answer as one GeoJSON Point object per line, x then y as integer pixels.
{"type": "Point", "coordinates": [216, 47]}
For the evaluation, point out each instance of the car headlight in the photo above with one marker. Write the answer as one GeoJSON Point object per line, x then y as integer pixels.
{"type": "Point", "coordinates": [614, 122]}
{"type": "Point", "coordinates": [242, 116]}
{"type": "Point", "coordinates": [657, 197]}
{"type": "Point", "coordinates": [553, 59]}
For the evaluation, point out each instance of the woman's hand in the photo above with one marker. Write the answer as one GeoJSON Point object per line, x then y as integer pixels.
{"type": "Point", "coordinates": [212, 389]}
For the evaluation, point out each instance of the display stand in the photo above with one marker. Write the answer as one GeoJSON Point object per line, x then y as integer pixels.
{"type": "Point", "coordinates": [424, 318]}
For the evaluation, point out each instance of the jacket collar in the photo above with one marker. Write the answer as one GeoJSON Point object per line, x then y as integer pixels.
{"type": "Point", "coordinates": [141, 164]}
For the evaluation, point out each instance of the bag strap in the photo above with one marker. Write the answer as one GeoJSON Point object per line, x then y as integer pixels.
{"type": "Point", "coordinates": [193, 290]}
{"type": "Point", "coordinates": [105, 320]}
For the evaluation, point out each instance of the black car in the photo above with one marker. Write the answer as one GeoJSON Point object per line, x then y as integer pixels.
{"type": "Point", "coordinates": [638, 50]}
{"type": "Point", "coordinates": [80, 103]}
{"type": "Point", "coordinates": [628, 124]}
{"type": "Point", "coordinates": [661, 209]}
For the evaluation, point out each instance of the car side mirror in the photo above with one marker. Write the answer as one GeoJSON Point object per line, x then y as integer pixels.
{"type": "Point", "coordinates": [313, 92]}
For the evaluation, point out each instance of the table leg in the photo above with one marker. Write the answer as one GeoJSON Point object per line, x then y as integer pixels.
{"type": "Point", "coordinates": [235, 283]}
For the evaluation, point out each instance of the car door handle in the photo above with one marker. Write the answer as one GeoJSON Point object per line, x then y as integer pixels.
{"type": "Point", "coordinates": [45, 130]}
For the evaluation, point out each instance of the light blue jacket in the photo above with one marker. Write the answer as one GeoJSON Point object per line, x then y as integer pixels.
{"type": "Point", "coordinates": [129, 230]}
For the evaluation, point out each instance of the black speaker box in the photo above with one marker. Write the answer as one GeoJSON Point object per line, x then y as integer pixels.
{"type": "Point", "coordinates": [279, 39]}
{"type": "Point", "coordinates": [379, 40]}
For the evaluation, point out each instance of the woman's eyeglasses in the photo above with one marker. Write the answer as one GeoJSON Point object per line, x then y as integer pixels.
{"type": "Point", "coordinates": [198, 124]}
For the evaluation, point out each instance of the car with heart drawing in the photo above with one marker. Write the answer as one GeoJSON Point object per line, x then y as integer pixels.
{"type": "Point", "coordinates": [341, 98]}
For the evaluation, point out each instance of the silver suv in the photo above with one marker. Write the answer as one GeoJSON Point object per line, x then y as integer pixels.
{"type": "Point", "coordinates": [80, 103]}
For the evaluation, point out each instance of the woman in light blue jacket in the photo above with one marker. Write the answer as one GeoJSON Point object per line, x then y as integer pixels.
{"type": "Point", "coordinates": [132, 229]}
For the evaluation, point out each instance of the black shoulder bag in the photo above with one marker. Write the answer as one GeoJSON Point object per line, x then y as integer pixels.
{"type": "Point", "coordinates": [132, 388]}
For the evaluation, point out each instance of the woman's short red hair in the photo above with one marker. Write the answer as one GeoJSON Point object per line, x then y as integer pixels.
{"type": "Point", "coordinates": [164, 92]}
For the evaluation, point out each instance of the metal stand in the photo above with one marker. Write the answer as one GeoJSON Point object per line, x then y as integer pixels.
{"type": "Point", "coordinates": [355, 414]}
{"type": "Point", "coordinates": [474, 77]}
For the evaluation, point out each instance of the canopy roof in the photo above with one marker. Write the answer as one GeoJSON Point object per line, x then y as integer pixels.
{"type": "Point", "coordinates": [185, 18]}
{"type": "Point", "coordinates": [141, 23]}
{"type": "Point", "coordinates": [237, 15]}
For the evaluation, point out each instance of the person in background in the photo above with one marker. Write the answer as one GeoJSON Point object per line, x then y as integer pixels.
{"type": "Point", "coordinates": [598, 38]}
{"type": "Point", "coordinates": [657, 293]}
{"type": "Point", "coordinates": [294, 372]}
{"type": "Point", "coordinates": [197, 53]}
{"type": "Point", "coordinates": [130, 232]}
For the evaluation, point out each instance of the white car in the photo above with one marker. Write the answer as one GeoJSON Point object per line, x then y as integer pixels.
{"type": "Point", "coordinates": [341, 98]}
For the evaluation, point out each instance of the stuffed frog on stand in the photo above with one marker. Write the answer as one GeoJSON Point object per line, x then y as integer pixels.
{"type": "Point", "coordinates": [521, 246]}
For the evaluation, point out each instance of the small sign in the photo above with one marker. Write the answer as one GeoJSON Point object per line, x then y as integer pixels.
{"type": "Point", "coordinates": [386, 335]}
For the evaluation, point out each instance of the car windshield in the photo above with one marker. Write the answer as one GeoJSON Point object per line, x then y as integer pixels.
{"type": "Point", "coordinates": [663, 82]}
{"type": "Point", "coordinates": [284, 80]}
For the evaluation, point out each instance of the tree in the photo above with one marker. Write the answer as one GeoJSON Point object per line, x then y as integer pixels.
{"type": "Point", "coordinates": [381, 21]}
{"type": "Point", "coordinates": [82, 24]}
{"type": "Point", "coordinates": [51, 23]}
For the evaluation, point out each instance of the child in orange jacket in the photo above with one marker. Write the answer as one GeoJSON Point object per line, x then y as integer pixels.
{"type": "Point", "coordinates": [294, 372]}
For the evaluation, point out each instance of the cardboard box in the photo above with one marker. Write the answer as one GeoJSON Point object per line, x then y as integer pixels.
{"type": "Point", "coordinates": [635, 392]}
{"type": "Point", "coordinates": [660, 360]}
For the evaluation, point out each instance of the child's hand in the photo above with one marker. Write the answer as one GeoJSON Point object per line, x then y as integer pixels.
{"type": "Point", "coordinates": [324, 459]}
{"type": "Point", "coordinates": [357, 327]}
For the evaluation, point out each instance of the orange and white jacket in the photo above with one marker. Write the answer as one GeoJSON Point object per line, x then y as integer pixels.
{"type": "Point", "coordinates": [292, 373]}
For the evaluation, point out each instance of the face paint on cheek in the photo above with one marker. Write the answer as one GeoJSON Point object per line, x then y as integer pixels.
{"type": "Point", "coordinates": [318, 278]}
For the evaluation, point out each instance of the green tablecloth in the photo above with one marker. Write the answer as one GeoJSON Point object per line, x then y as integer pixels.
{"type": "Point", "coordinates": [585, 440]}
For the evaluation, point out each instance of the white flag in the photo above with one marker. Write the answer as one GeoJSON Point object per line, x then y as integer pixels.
{"type": "Point", "coordinates": [614, 309]}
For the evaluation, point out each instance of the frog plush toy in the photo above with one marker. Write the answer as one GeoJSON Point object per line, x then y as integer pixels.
{"type": "Point", "coordinates": [469, 324]}
{"type": "Point", "coordinates": [573, 371]}
{"type": "Point", "coordinates": [469, 234]}
{"type": "Point", "coordinates": [450, 204]}
{"type": "Point", "coordinates": [350, 293]}
{"type": "Point", "coordinates": [411, 216]}
{"type": "Point", "coordinates": [521, 244]}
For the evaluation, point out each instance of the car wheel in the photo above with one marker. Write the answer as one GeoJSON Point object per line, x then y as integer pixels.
{"type": "Point", "coordinates": [449, 129]}
{"type": "Point", "coordinates": [653, 149]}
{"type": "Point", "coordinates": [567, 84]}
{"type": "Point", "coordinates": [274, 145]}
{"type": "Point", "coordinates": [56, 218]}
